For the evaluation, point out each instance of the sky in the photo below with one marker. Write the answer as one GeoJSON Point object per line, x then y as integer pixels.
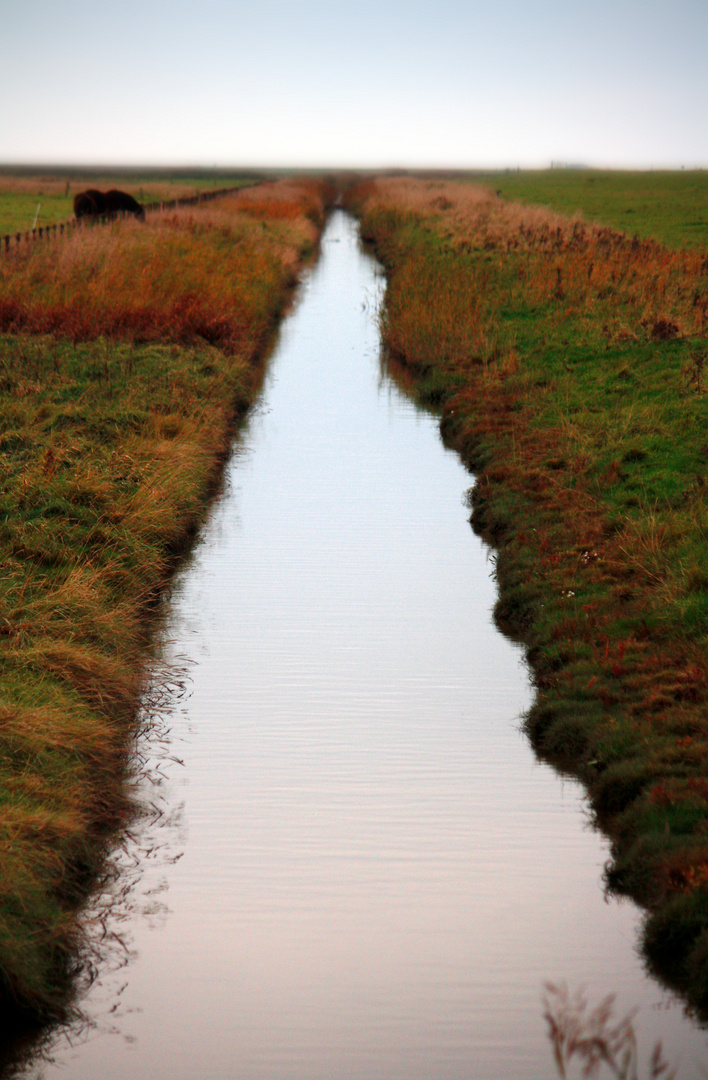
{"type": "Point", "coordinates": [374, 83]}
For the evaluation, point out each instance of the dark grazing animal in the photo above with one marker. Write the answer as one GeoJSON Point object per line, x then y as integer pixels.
{"type": "Point", "coordinates": [119, 202]}
{"type": "Point", "coordinates": [89, 203]}
{"type": "Point", "coordinates": [93, 204]}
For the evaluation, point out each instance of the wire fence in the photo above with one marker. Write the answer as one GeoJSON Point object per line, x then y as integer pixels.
{"type": "Point", "coordinates": [48, 232]}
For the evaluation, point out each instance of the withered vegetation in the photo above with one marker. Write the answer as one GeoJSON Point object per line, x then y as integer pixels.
{"type": "Point", "coordinates": [569, 364]}
{"type": "Point", "coordinates": [128, 353]}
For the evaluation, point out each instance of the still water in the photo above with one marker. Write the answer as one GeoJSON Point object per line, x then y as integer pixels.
{"type": "Point", "coordinates": [356, 870]}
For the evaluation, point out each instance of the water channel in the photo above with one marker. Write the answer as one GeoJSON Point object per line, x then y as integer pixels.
{"type": "Point", "coordinates": [367, 875]}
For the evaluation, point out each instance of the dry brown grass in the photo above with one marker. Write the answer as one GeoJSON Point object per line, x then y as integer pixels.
{"type": "Point", "coordinates": [564, 258]}
{"type": "Point", "coordinates": [196, 273]}
{"type": "Point", "coordinates": [596, 1039]}
{"type": "Point", "coordinates": [134, 349]}
{"type": "Point", "coordinates": [568, 363]}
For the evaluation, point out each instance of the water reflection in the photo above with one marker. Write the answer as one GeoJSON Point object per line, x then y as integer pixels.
{"type": "Point", "coordinates": [124, 895]}
{"type": "Point", "coordinates": [377, 876]}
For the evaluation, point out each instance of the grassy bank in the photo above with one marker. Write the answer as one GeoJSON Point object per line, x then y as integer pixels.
{"type": "Point", "coordinates": [569, 364]}
{"type": "Point", "coordinates": [127, 354]}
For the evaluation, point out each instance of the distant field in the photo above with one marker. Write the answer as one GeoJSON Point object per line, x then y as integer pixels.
{"type": "Point", "coordinates": [22, 194]}
{"type": "Point", "coordinates": [669, 206]}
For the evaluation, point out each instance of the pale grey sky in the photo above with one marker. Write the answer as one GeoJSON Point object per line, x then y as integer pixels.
{"type": "Point", "coordinates": [425, 82]}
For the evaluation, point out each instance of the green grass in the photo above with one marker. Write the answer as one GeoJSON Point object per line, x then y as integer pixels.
{"type": "Point", "coordinates": [21, 195]}
{"type": "Point", "coordinates": [669, 206]}
{"type": "Point", "coordinates": [108, 452]}
{"type": "Point", "coordinates": [568, 365]}
{"type": "Point", "coordinates": [112, 439]}
{"type": "Point", "coordinates": [19, 209]}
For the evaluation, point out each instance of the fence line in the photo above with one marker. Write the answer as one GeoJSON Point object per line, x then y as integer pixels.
{"type": "Point", "coordinates": [46, 232]}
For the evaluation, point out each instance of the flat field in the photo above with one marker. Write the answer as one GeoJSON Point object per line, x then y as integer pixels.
{"type": "Point", "coordinates": [47, 198]}
{"type": "Point", "coordinates": [570, 365]}
{"type": "Point", "coordinates": [669, 206]}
